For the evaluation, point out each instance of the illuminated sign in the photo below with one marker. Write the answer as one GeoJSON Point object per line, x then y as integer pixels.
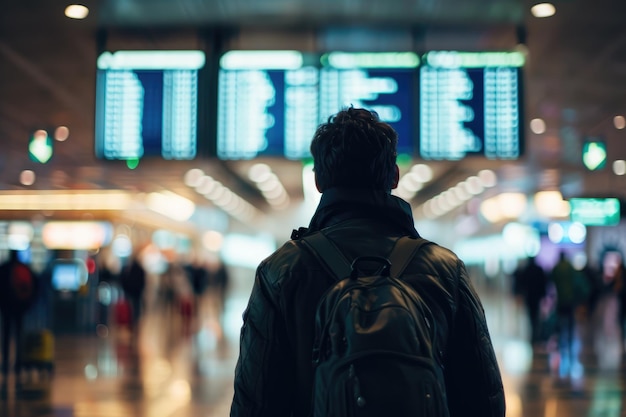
{"type": "Point", "coordinates": [595, 211]}
{"type": "Point", "coordinates": [470, 104]}
{"type": "Point", "coordinates": [40, 146]}
{"type": "Point", "coordinates": [271, 102]}
{"type": "Point", "coordinates": [446, 105]}
{"type": "Point", "coordinates": [594, 155]}
{"type": "Point", "coordinates": [147, 104]}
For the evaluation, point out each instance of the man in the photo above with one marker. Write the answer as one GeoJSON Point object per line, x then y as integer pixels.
{"type": "Point", "coordinates": [355, 170]}
{"type": "Point", "coordinates": [18, 292]}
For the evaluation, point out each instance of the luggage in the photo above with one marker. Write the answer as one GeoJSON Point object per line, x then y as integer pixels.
{"type": "Point", "coordinates": [122, 313]}
{"type": "Point", "coordinates": [37, 351]}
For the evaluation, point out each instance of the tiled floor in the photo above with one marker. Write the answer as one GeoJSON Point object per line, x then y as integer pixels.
{"type": "Point", "coordinates": [174, 370]}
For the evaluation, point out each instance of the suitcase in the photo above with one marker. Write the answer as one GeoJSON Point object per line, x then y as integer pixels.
{"type": "Point", "coordinates": [37, 351]}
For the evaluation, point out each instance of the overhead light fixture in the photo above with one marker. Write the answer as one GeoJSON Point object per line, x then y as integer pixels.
{"type": "Point", "coordinates": [171, 205]}
{"type": "Point", "coordinates": [538, 126]}
{"type": "Point", "coordinates": [542, 10]}
{"type": "Point", "coordinates": [76, 11]}
{"type": "Point", "coordinates": [65, 200]}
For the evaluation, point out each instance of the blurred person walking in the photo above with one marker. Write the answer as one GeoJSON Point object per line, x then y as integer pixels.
{"type": "Point", "coordinates": [533, 281]}
{"type": "Point", "coordinates": [218, 286]}
{"type": "Point", "coordinates": [18, 291]}
{"type": "Point", "coordinates": [355, 169]}
{"type": "Point", "coordinates": [572, 291]}
{"type": "Point", "coordinates": [133, 283]}
{"type": "Point", "coordinates": [616, 275]}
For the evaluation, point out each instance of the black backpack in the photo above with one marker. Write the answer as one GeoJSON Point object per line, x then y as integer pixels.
{"type": "Point", "coordinates": [373, 352]}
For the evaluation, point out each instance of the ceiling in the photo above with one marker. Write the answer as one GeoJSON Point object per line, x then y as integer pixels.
{"type": "Point", "coordinates": [575, 79]}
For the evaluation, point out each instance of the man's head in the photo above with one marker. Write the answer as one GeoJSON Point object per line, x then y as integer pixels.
{"type": "Point", "coordinates": [354, 149]}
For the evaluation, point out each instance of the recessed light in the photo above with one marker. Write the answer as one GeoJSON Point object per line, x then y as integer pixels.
{"type": "Point", "coordinates": [76, 11]}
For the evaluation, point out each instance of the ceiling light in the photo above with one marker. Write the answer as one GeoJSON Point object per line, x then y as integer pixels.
{"type": "Point", "coordinates": [61, 133]}
{"type": "Point", "coordinates": [487, 178]}
{"type": "Point", "coordinates": [27, 177]}
{"type": "Point", "coordinates": [619, 167]}
{"type": "Point", "coordinates": [423, 172]}
{"type": "Point", "coordinates": [537, 126]}
{"type": "Point", "coordinates": [193, 177]}
{"type": "Point", "coordinates": [543, 10]}
{"type": "Point", "coordinates": [259, 172]}
{"type": "Point", "coordinates": [76, 11]}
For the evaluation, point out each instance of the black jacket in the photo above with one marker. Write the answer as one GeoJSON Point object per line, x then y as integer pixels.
{"type": "Point", "coordinates": [274, 373]}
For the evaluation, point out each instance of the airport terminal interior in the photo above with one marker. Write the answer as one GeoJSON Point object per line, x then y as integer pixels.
{"type": "Point", "coordinates": [172, 137]}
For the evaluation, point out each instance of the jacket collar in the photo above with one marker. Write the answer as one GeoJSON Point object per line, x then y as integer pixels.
{"type": "Point", "coordinates": [339, 204]}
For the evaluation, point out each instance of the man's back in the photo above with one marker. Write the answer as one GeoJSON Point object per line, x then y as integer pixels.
{"type": "Point", "coordinates": [293, 281]}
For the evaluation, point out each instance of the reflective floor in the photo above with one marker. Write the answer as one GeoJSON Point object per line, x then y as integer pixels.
{"type": "Point", "coordinates": [172, 366]}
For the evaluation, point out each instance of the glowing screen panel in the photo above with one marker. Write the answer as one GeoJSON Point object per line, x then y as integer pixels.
{"type": "Point", "coordinates": [470, 104]}
{"type": "Point", "coordinates": [147, 104]}
{"type": "Point", "coordinates": [271, 102]}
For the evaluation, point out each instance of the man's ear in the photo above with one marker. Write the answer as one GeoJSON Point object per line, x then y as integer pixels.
{"type": "Point", "coordinates": [396, 179]}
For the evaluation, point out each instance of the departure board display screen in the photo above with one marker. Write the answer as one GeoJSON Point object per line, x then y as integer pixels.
{"type": "Point", "coordinates": [147, 104]}
{"type": "Point", "coordinates": [470, 104]}
{"type": "Point", "coordinates": [267, 104]}
{"type": "Point", "coordinates": [271, 102]}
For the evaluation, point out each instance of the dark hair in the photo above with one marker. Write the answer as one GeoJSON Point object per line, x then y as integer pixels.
{"type": "Point", "coordinates": [355, 149]}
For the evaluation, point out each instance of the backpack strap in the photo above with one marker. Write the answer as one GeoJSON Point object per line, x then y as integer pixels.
{"type": "Point", "coordinates": [328, 254]}
{"type": "Point", "coordinates": [403, 251]}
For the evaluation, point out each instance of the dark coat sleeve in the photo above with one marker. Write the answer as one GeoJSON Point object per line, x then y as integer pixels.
{"type": "Point", "coordinates": [264, 371]}
{"type": "Point", "coordinates": [473, 379]}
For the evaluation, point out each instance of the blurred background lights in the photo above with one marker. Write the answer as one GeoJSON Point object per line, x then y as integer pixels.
{"type": "Point", "coordinates": [193, 177]}
{"type": "Point", "coordinates": [76, 11]}
{"type": "Point", "coordinates": [543, 10]}
{"type": "Point", "coordinates": [61, 133]}
{"type": "Point", "coordinates": [619, 122]}
{"type": "Point", "coordinates": [171, 205]}
{"type": "Point", "coordinates": [213, 240]}
{"type": "Point", "coordinates": [577, 232]}
{"type": "Point", "coordinates": [487, 178]}
{"type": "Point", "coordinates": [619, 167]}
{"type": "Point", "coordinates": [551, 204]}
{"type": "Point", "coordinates": [122, 246]}
{"type": "Point", "coordinates": [27, 177]}
{"type": "Point", "coordinates": [503, 206]}
{"type": "Point", "coordinates": [423, 172]}
{"type": "Point", "coordinates": [537, 126]}
{"type": "Point", "coordinates": [555, 232]}
{"type": "Point", "coordinates": [259, 172]}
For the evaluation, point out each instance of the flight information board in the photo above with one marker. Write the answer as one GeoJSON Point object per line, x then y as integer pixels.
{"type": "Point", "coordinates": [470, 104]}
{"type": "Point", "coordinates": [147, 104]}
{"type": "Point", "coordinates": [267, 104]}
{"type": "Point", "coordinates": [271, 102]}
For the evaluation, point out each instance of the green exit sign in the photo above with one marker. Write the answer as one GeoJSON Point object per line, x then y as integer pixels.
{"type": "Point", "coordinates": [595, 211]}
{"type": "Point", "coordinates": [594, 155]}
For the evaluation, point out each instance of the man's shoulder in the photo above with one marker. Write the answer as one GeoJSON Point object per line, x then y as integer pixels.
{"type": "Point", "coordinates": [290, 253]}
